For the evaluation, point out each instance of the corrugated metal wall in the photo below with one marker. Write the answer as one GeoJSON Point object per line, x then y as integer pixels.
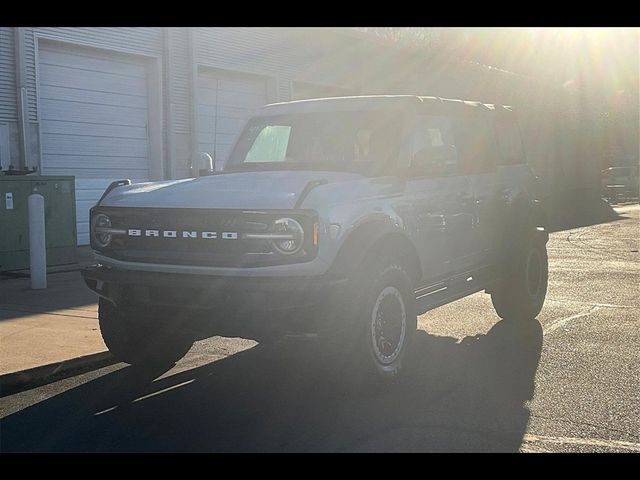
{"type": "Point", "coordinates": [248, 50]}
{"type": "Point", "coordinates": [180, 86]}
{"type": "Point", "coordinates": [314, 55]}
{"type": "Point", "coordinates": [8, 106]}
{"type": "Point", "coordinates": [225, 103]}
{"type": "Point", "coordinates": [178, 110]}
{"type": "Point", "coordinates": [144, 40]}
{"type": "Point", "coordinates": [30, 74]}
{"type": "Point", "coordinates": [7, 76]}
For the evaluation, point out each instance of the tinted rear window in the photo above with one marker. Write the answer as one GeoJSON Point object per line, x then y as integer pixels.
{"type": "Point", "coordinates": [476, 142]}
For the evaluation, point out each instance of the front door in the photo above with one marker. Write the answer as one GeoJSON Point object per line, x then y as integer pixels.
{"type": "Point", "coordinates": [442, 202]}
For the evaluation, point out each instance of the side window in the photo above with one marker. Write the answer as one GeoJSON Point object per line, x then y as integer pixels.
{"type": "Point", "coordinates": [434, 153]}
{"type": "Point", "coordinates": [270, 145]}
{"type": "Point", "coordinates": [477, 146]}
{"type": "Point", "coordinates": [509, 142]}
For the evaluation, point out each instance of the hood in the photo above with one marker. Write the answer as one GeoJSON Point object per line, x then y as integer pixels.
{"type": "Point", "coordinates": [239, 190]}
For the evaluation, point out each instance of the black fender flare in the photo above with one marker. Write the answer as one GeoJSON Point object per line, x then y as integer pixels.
{"type": "Point", "coordinates": [527, 218]}
{"type": "Point", "coordinates": [376, 237]}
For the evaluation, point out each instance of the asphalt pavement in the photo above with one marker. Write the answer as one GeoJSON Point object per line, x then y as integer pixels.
{"type": "Point", "coordinates": [568, 381]}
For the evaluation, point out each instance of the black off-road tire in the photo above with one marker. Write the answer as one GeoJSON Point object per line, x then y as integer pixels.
{"type": "Point", "coordinates": [522, 289]}
{"type": "Point", "coordinates": [141, 343]}
{"type": "Point", "coordinates": [354, 335]}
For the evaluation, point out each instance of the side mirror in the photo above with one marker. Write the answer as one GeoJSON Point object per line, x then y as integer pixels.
{"type": "Point", "coordinates": [206, 164]}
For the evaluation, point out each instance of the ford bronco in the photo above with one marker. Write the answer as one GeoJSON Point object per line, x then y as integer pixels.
{"type": "Point", "coordinates": [343, 217]}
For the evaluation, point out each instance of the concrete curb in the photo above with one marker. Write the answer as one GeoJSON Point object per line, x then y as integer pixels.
{"type": "Point", "coordinates": [15, 382]}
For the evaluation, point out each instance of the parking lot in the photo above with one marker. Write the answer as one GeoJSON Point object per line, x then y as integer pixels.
{"type": "Point", "coordinates": [567, 381]}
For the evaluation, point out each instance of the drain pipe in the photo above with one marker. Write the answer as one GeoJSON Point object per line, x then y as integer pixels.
{"type": "Point", "coordinates": [193, 77]}
{"type": "Point", "coordinates": [169, 157]}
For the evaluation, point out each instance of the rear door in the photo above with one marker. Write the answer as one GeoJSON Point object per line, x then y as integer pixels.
{"type": "Point", "coordinates": [478, 153]}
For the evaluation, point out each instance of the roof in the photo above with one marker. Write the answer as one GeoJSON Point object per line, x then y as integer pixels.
{"type": "Point", "coordinates": [453, 105]}
{"type": "Point", "coordinates": [371, 102]}
{"type": "Point", "coordinates": [352, 103]}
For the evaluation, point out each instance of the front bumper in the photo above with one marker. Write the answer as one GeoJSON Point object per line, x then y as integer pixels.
{"type": "Point", "coordinates": [128, 288]}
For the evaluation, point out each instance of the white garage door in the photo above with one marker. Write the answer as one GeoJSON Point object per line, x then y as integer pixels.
{"type": "Point", "coordinates": [93, 122]}
{"type": "Point", "coordinates": [225, 102]}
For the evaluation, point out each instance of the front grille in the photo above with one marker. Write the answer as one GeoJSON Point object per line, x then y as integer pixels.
{"type": "Point", "coordinates": [219, 251]}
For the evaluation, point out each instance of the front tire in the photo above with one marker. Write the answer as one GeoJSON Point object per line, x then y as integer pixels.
{"type": "Point", "coordinates": [523, 286]}
{"type": "Point", "coordinates": [132, 340]}
{"type": "Point", "coordinates": [371, 334]}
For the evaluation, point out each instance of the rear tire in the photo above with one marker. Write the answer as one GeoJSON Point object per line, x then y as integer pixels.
{"type": "Point", "coordinates": [132, 340]}
{"type": "Point", "coordinates": [523, 286]}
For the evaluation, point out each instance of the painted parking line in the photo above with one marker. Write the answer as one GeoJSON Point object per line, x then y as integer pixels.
{"type": "Point", "coordinates": [555, 324]}
{"type": "Point", "coordinates": [559, 322]}
{"type": "Point", "coordinates": [591, 442]}
{"type": "Point", "coordinates": [564, 301]}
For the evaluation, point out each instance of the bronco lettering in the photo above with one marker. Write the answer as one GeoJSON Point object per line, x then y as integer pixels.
{"type": "Point", "coordinates": [138, 232]}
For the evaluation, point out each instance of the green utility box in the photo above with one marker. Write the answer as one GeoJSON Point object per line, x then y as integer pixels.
{"type": "Point", "coordinates": [60, 219]}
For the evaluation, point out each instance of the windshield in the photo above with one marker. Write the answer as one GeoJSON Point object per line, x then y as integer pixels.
{"type": "Point", "coordinates": [366, 141]}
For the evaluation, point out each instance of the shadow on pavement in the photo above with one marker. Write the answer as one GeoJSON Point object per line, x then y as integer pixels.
{"type": "Point", "coordinates": [568, 213]}
{"type": "Point", "coordinates": [455, 396]}
{"type": "Point", "coordinates": [65, 291]}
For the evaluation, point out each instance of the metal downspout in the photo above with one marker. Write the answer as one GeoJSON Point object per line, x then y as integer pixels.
{"type": "Point", "coordinates": [195, 167]}
{"type": "Point", "coordinates": [169, 131]}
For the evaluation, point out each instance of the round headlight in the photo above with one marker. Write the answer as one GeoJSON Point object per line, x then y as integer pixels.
{"type": "Point", "coordinates": [292, 236]}
{"type": "Point", "coordinates": [101, 225]}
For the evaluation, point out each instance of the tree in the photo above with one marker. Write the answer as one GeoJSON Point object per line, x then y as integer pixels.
{"type": "Point", "coordinates": [421, 37]}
